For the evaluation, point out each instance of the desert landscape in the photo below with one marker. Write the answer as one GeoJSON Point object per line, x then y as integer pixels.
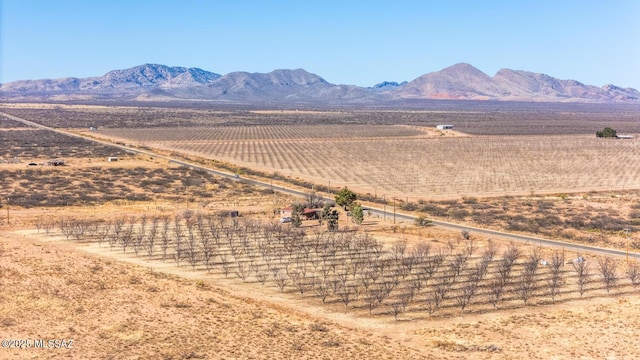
{"type": "Point", "coordinates": [319, 180]}
{"type": "Point", "coordinates": [145, 258]}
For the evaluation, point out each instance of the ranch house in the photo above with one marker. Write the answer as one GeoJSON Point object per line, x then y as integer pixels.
{"type": "Point", "coordinates": [286, 212]}
{"type": "Point", "coordinates": [311, 214]}
{"type": "Point", "coordinates": [307, 213]}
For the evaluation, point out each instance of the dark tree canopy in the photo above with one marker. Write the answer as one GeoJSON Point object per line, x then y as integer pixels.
{"type": "Point", "coordinates": [345, 197]}
{"type": "Point", "coordinates": [606, 133]}
{"type": "Point", "coordinates": [357, 213]}
{"type": "Point", "coordinates": [330, 216]}
{"type": "Point", "coordinates": [296, 220]}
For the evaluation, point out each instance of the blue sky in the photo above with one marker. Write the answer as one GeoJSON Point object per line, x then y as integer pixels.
{"type": "Point", "coordinates": [345, 42]}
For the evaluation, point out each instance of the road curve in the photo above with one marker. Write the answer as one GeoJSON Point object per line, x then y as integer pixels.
{"type": "Point", "coordinates": [578, 248]}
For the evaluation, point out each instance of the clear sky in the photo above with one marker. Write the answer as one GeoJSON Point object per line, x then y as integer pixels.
{"type": "Point", "coordinates": [345, 42]}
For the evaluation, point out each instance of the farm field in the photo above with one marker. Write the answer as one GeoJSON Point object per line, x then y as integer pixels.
{"type": "Point", "coordinates": [397, 161]}
{"type": "Point", "coordinates": [139, 259]}
{"type": "Point", "coordinates": [476, 118]}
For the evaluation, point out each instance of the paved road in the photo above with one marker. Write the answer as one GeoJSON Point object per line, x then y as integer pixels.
{"type": "Point", "coordinates": [577, 248]}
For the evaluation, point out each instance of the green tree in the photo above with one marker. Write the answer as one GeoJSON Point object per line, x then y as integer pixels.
{"type": "Point", "coordinates": [422, 221]}
{"type": "Point", "coordinates": [357, 213]}
{"type": "Point", "coordinates": [330, 216]}
{"type": "Point", "coordinates": [606, 133]}
{"type": "Point", "coordinates": [345, 197]}
{"type": "Point", "coordinates": [296, 210]}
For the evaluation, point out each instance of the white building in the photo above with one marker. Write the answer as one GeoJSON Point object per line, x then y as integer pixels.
{"type": "Point", "coordinates": [444, 127]}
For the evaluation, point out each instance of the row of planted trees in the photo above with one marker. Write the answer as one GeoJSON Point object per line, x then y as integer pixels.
{"type": "Point", "coordinates": [354, 268]}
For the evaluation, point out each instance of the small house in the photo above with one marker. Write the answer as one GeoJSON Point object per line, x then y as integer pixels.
{"type": "Point", "coordinates": [112, 158]}
{"type": "Point", "coordinates": [444, 127]}
{"type": "Point", "coordinates": [56, 162]}
{"type": "Point", "coordinates": [286, 212]}
{"type": "Point", "coordinates": [311, 214]}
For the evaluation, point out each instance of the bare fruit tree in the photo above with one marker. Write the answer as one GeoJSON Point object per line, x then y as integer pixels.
{"type": "Point", "coordinates": [140, 235]}
{"type": "Point", "coordinates": [607, 268]}
{"type": "Point", "coordinates": [555, 280]}
{"type": "Point", "coordinates": [469, 287]}
{"type": "Point", "coordinates": [582, 271]}
{"type": "Point", "coordinates": [527, 286]}
{"type": "Point", "coordinates": [152, 236]}
{"type": "Point", "coordinates": [633, 273]}
{"type": "Point", "coordinates": [496, 290]}
{"type": "Point", "coordinates": [503, 274]}
{"type": "Point", "coordinates": [164, 236]}
{"type": "Point", "coordinates": [178, 232]}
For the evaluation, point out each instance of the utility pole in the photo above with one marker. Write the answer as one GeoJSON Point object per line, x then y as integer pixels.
{"type": "Point", "coordinates": [384, 207]}
{"type": "Point", "coordinates": [394, 209]}
{"type": "Point", "coordinates": [626, 230]}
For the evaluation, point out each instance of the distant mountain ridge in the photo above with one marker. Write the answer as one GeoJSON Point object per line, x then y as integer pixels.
{"type": "Point", "coordinates": [463, 81]}
{"type": "Point", "coordinates": [460, 81]}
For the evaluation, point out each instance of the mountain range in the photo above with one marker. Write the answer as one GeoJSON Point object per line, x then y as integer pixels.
{"type": "Point", "coordinates": [458, 82]}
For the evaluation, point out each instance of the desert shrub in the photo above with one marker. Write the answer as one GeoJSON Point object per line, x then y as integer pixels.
{"type": "Point", "coordinates": [202, 193]}
{"type": "Point", "coordinates": [577, 221]}
{"type": "Point", "coordinates": [422, 221]}
{"type": "Point", "coordinates": [408, 206]}
{"type": "Point", "coordinates": [522, 223]}
{"type": "Point", "coordinates": [318, 327]}
{"type": "Point", "coordinates": [482, 218]}
{"type": "Point", "coordinates": [458, 214]}
{"type": "Point", "coordinates": [568, 234]}
{"type": "Point", "coordinates": [544, 205]}
{"type": "Point", "coordinates": [469, 200]}
{"type": "Point", "coordinates": [434, 210]}
{"type": "Point", "coordinates": [481, 206]}
{"type": "Point", "coordinates": [606, 222]}
{"type": "Point", "coordinates": [191, 181]}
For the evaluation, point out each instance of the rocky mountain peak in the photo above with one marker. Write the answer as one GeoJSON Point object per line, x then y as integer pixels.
{"type": "Point", "coordinates": [459, 81]}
